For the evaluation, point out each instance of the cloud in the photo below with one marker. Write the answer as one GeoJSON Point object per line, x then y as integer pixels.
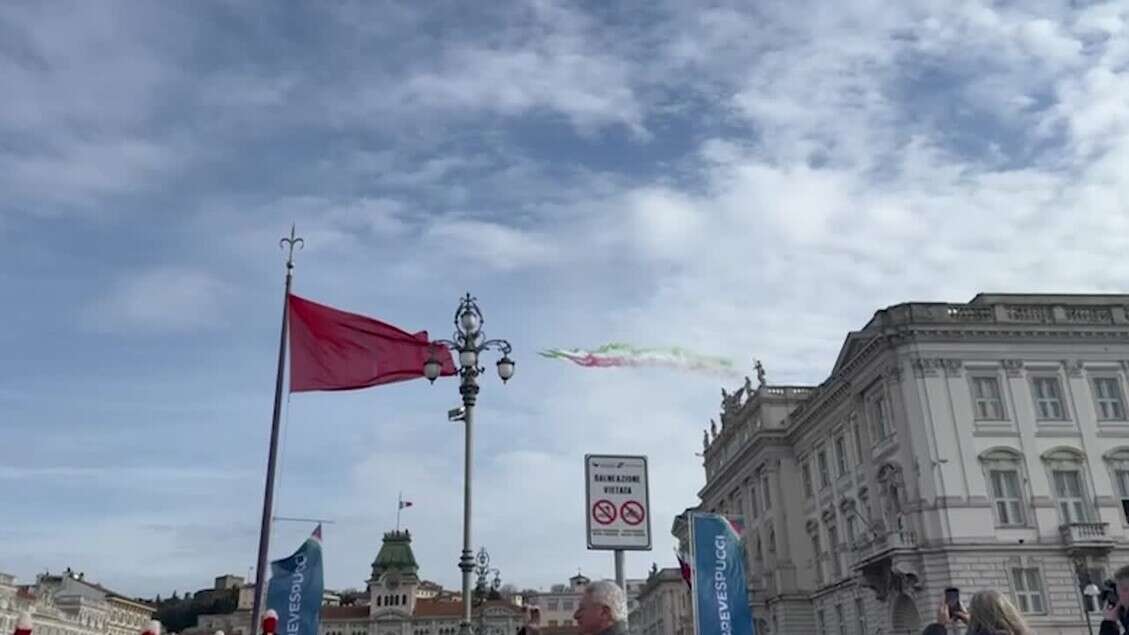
{"type": "Point", "coordinates": [161, 301]}
{"type": "Point", "coordinates": [495, 245]}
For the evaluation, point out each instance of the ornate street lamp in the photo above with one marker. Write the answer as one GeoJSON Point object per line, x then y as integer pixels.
{"type": "Point", "coordinates": [468, 342]}
{"type": "Point", "coordinates": [485, 588]}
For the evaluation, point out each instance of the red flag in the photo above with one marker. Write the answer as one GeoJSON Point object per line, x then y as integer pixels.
{"type": "Point", "coordinates": [335, 350]}
{"type": "Point", "coordinates": [684, 569]}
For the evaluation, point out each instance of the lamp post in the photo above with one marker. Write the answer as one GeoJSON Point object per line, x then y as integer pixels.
{"type": "Point", "coordinates": [485, 587]}
{"type": "Point", "coordinates": [469, 342]}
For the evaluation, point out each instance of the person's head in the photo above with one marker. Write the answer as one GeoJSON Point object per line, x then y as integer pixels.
{"type": "Point", "coordinates": [1121, 577]}
{"type": "Point", "coordinates": [991, 612]}
{"type": "Point", "coordinates": [602, 605]}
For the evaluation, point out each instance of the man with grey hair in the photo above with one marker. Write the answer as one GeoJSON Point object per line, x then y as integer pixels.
{"type": "Point", "coordinates": [602, 610]}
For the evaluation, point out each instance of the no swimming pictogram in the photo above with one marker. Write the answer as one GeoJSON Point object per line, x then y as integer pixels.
{"type": "Point", "coordinates": [603, 512]}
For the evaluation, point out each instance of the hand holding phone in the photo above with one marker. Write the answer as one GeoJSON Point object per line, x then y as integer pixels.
{"type": "Point", "coordinates": [952, 602]}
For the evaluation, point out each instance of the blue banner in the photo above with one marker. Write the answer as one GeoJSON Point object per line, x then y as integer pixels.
{"type": "Point", "coordinates": [721, 598]}
{"type": "Point", "coordinates": [295, 590]}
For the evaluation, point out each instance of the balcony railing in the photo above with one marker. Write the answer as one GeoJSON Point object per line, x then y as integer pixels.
{"type": "Point", "coordinates": [871, 547]}
{"type": "Point", "coordinates": [1085, 535]}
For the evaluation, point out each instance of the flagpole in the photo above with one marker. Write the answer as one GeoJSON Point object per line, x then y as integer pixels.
{"type": "Point", "coordinates": [272, 457]}
{"type": "Point", "coordinates": [399, 508]}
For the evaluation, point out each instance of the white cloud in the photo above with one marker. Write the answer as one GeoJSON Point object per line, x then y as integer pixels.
{"type": "Point", "coordinates": [161, 301]}
{"type": "Point", "coordinates": [500, 247]}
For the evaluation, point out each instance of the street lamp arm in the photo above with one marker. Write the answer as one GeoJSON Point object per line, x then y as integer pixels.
{"type": "Point", "coordinates": [500, 345]}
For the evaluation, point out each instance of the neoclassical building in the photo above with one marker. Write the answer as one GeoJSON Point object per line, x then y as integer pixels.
{"type": "Point", "coordinates": [664, 605]}
{"type": "Point", "coordinates": [69, 604]}
{"type": "Point", "coordinates": [979, 445]}
{"type": "Point", "coordinates": [395, 605]}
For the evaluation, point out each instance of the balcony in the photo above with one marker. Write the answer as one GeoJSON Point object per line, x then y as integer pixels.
{"type": "Point", "coordinates": [872, 548]}
{"type": "Point", "coordinates": [1086, 536]}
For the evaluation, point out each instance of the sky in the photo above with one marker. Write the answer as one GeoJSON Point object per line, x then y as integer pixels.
{"type": "Point", "coordinates": [749, 182]}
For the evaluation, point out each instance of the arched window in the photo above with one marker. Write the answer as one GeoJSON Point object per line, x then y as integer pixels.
{"type": "Point", "coordinates": [1066, 468]}
{"type": "Point", "coordinates": [1003, 472]}
{"type": "Point", "coordinates": [1117, 460]}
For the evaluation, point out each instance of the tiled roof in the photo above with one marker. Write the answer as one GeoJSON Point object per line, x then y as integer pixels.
{"type": "Point", "coordinates": [344, 612]}
{"type": "Point", "coordinates": [438, 608]}
{"type": "Point", "coordinates": [434, 607]}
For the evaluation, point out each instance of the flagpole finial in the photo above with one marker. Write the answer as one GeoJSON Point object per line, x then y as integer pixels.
{"type": "Point", "coordinates": [289, 243]}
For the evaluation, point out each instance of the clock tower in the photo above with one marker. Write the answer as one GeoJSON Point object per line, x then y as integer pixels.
{"type": "Point", "coordinates": [395, 578]}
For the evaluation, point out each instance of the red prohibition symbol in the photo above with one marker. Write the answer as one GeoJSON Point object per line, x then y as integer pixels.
{"type": "Point", "coordinates": [632, 513]}
{"type": "Point", "coordinates": [603, 512]}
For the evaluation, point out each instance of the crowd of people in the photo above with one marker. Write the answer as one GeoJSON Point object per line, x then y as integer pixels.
{"type": "Point", "coordinates": [603, 611]}
{"type": "Point", "coordinates": [990, 612]}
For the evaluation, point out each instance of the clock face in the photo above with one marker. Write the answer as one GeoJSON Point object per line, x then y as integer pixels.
{"type": "Point", "coordinates": [392, 580]}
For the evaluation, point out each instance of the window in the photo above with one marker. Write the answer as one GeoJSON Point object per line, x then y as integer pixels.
{"type": "Point", "coordinates": [821, 462]}
{"type": "Point", "coordinates": [1028, 589]}
{"type": "Point", "coordinates": [753, 499]}
{"type": "Point", "coordinates": [566, 605]}
{"type": "Point", "coordinates": [1068, 491]}
{"type": "Point", "coordinates": [764, 491]}
{"type": "Point", "coordinates": [856, 429]}
{"type": "Point", "coordinates": [817, 553]}
{"type": "Point", "coordinates": [1005, 494]}
{"type": "Point", "coordinates": [1121, 481]}
{"type": "Point", "coordinates": [833, 545]}
{"type": "Point", "coordinates": [986, 398]}
{"type": "Point", "coordinates": [758, 555]}
{"type": "Point", "coordinates": [772, 539]}
{"type": "Point", "coordinates": [852, 529]}
{"type": "Point", "coordinates": [860, 616]}
{"type": "Point", "coordinates": [821, 621]}
{"type": "Point", "coordinates": [1107, 392]}
{"type": "Point", "coordinates": [841, 455]}
{"type": "Point", "coordinates": [1093, 575]}
{"type": "Point", "coordinates": [553, 605]}
{"type": "Point", "coordinates": [805, 473]}
{"type": "Point", "coordinates": [552, 622]}
{"type": "Point", "coordinates": [1048, 398]}
{"type": "Point", "coordinates": [839, 618]}
{"type": "Point", "coordinates": [738, 503]}
{"type": "Point", "coordinates": [879, 418]}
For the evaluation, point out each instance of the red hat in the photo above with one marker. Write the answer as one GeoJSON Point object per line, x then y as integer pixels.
{"type": "Point", "coordinates": [270, 621]}
{"type": "Point", "coordinates": [23, 624]}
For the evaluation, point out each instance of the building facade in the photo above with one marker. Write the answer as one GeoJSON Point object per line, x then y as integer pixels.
{"type": "Point", "coordinates": [981, 445]}
{"type": "Point", "coordinates": [662, 605]}
{"type": "Point", "coordinates": [558, 604]}
{"type": "Point", "coordinates": [398, 602]}
{"type": "Point", "coordinates": [68, 604]}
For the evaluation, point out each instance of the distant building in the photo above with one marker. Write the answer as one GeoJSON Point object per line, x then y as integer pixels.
{"type": "Point", "coordinates": [68, 604]}
{"type": "Point", "coordinates": [558, 604]}
{"type": "Point", "coordinates": [663, 605]}
{"type": "Point", "coordinates": [398, 602]}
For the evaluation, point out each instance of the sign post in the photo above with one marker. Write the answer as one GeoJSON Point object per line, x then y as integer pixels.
{"type": "Point", "coordinates": [618, 502]}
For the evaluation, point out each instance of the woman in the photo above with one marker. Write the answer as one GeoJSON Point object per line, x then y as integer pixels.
{"type": "Point", "coordinates": [989, 613]}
